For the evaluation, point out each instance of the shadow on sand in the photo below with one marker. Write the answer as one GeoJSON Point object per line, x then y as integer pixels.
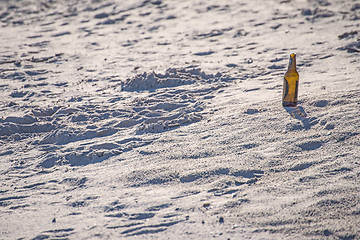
{"type": "Point", "coordinates": [299, 113]}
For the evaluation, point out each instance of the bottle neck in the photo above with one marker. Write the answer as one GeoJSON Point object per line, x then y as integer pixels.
{"type": "Point", "coordinates": [292, 62]}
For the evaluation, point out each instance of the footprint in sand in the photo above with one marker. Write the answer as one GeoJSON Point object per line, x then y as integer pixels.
{"type": "Point", "coordinates": [55, 233]}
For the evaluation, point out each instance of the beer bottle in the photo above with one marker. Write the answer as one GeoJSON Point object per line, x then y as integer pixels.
{"type": "Point", "coordinates": [291, 84]}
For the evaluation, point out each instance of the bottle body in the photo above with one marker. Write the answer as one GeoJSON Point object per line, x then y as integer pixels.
{"type": "Point", "coordinates": [291, 84]}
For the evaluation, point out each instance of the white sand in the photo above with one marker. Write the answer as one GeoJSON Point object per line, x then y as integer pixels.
{"type": "Point", "coordinates": [163, 120]}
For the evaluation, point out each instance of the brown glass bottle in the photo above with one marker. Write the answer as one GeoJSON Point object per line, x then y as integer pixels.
{"type": "Point", "coordinates": [291, 84]}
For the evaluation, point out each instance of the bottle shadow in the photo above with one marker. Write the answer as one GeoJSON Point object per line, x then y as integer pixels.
{"type": "Point", "coordinates": [299, 113]}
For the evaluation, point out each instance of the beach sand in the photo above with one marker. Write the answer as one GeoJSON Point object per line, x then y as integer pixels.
{"type": "Point", "coordinates": [163, 119]}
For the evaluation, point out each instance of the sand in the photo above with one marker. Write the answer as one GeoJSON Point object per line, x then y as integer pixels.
{"type": "Point", "coordinates": [163, 120]}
